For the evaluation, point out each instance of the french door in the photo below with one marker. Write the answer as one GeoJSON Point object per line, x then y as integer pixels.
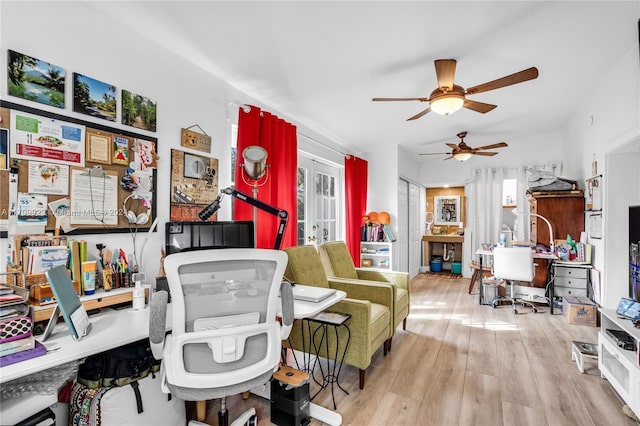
{"type": "Point", "coordinates": [319, 195]}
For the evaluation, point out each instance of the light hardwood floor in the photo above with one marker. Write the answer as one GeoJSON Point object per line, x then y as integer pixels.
{"type": "Point", "coordinates": [460, 363]}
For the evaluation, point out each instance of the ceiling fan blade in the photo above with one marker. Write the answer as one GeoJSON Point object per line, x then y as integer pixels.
{"type": "Point", "coordinates": [445, 70]}
{"type": "Point", "coordinates": [452, 146]}
{"type": "Point", "coordinates": [495, 145]}
{"type": "Point", "coordinates": [400, 99]}
{"type": "Point", "coordinates": [478, 106]}
{"type": "Point", "coordinates": [420, 114]}
{"type": "Point", "coordinates": [487, 154]}
{"type": "Point", "coordinates": [518, 77]}
{"type": "Point", "coordinates": [436, 153]}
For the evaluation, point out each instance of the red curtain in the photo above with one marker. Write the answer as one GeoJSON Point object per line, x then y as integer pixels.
{"type": "Point", "coordinates": [279, 139]}
{"type": "Point", "coordinates": [355, 181]}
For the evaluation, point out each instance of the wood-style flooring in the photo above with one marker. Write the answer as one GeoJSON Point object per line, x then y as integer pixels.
{"type": "Point", "coordinates": [460, 363]}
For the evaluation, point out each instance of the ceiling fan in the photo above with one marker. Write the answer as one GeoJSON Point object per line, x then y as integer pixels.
{"type": "Point", "coordinates": [462, 151]}
{"type": "Point", "coordinates": [450, 97]}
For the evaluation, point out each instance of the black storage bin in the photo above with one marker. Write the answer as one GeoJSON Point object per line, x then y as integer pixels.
{"type": "Point", "coordinates": [289, 407]}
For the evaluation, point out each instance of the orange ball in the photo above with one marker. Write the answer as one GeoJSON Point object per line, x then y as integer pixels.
{"type": "Point", "coordinates": [373, 217]}
{"type": "Point", "coordinates": [384, 218]}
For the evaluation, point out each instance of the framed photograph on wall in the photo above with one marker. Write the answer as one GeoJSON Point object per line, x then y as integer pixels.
{"type": "Point", "coordinates": [35, 80]}
{"type": "Point", "coordinates": [94, 97]}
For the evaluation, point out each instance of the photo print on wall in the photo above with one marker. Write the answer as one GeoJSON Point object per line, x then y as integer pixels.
{"type": "Point", "coordinates": [94, 97]}
{"type": "Point", "coordinates": [35, 80]}
{"type": "Point", "coordinates": [138, 111]}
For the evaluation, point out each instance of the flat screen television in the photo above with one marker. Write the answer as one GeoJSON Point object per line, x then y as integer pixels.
{"type": "Point", "coordinates": [189, 236]}
{"type": "Point", "coordinates": [634, 253]}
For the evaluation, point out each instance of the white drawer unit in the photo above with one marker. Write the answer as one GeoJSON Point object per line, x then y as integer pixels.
{"type": "Point", "coordinates": [571, 280]}
{"type": "Point", "coordinates": [621, 367]}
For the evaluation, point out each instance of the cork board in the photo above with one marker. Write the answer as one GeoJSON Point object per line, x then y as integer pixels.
{"type": "Point", "coordinates": [105, 158]}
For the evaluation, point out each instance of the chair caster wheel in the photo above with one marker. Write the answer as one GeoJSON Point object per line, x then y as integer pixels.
{"type": "Point", "coordinates": [253, 421]}
{"type": "Point", "coordinates": [494, 305]}
{"type": "Point", "coordinates": [534, 310]}
{"type": "Point", "coordinates": [515, 311]}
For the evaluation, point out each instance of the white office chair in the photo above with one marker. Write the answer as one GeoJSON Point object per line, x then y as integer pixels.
{"type": "Point", "coordinates": [513, 264]}
{"type": "Point", "coordinates": [225, 337]}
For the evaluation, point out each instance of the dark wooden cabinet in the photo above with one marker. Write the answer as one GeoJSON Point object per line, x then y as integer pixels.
{"type": "Point", "coordinates": [566, 214]}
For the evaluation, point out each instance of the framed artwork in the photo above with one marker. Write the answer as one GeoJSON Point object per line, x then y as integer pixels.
{"type": "Point", "coordinates": [98, 147]}
{"type": "Point", "coordinates": [94, 97]}
{"type": "Point", "coordinates": [195, 166]}
{"type": "Point", "coordinates": [195, 140]}
{"type": "Point", "coordinates": [35, 80]}
{"type": "Point", "coordinates": [138, 111]}
{"type": "Point", "coordinates": [595, 225]}
{"type": "Point", "coordinates": [446, 210]}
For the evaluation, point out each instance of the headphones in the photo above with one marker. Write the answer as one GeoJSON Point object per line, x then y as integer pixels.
{"type": "Point", "coordinates": [133, 217]}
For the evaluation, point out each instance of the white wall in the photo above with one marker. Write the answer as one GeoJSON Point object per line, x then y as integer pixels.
{"type": "Point", "coordinates": [99, 46]}
{"type": "Point", "coordinates": [608, 125]}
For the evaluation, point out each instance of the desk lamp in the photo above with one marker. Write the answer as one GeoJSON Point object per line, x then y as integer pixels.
{"type": "Point", "coordinates": [551, 245]}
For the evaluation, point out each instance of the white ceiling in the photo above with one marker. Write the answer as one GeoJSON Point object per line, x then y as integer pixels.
{"type": "Point", "coordinates": [320, 63]}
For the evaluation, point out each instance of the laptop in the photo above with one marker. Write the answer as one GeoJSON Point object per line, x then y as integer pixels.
{"type": "Point", "coordinates": [311, 294]}
{"type": "Point", "coordinates": [628, 308]}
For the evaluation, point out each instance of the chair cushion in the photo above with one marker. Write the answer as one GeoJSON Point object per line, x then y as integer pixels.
{"type": "Point", "coordinates": [305, 266]}
{"type": "Point", "coordinates": [339, 259]}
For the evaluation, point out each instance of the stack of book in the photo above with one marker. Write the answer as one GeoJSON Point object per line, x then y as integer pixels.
{"type": "Point", "coordinates": [16, 327]}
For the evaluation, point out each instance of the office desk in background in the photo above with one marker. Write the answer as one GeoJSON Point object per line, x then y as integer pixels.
{"type": "Point", "coordinates": [482, 253]}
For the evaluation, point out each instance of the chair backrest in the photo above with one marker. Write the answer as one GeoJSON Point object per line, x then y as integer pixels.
{"type": "Point", "coordinates": [337, 260]}
{"type": "Point", "coordinates": [305, 266]}
{"type": "Point", "coordinates": [225, 303]}
{"type": "Point", "coordinates": [513, 263]}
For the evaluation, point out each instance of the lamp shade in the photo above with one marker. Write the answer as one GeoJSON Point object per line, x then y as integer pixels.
{"type": "Point", "coordinates": [255, 158]}
{"type": "Point", "coordinates": [462, 156]}
{"type": "Point", "coordinates": [445, 105]}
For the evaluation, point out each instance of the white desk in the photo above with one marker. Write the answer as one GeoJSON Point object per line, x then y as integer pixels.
{"type": "Point", "coordinates": [111, 329]}
{"type": "Point", "coordinates": [482, 253]}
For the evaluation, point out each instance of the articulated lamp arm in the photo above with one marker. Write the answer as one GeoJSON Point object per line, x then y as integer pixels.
{"type": "Point", "coordinates": [280, 213]}
{"type": "Point", "coordinates": [551, 244]}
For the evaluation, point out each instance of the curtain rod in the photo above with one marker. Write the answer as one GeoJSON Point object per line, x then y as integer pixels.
{"type": "Point", "coordinates": [247, 108]}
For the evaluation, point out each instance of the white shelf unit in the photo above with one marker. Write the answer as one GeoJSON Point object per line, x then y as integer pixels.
{"type": "Point", "coordinates": [619, 366]}
{"type": "Point", "coordinates": [380, 254]}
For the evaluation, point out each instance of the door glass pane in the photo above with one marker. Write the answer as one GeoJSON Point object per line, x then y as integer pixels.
{"type": "Point", "coordinates": [302, 180]}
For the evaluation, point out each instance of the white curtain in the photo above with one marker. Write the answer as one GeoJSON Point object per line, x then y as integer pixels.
{"type": "Point", "coordinates": [521, 223]}
{"type": "Point", "coordinates": [485, 206]}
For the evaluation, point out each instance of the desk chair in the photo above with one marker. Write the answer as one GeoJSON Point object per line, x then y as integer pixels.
{"type": "Point", "coordinates": [225, 336]}
{"type": "Point", "coordinates": [513, 264]}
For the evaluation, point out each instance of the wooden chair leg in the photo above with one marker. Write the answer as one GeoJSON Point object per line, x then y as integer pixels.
{"type": "Point", "coordinates": [404, 323]}
{"type": "Point", "coordinates": [473, 280]}
{"type": "Point", "coordinates": [246, 395]}
{"type": "Point", "coordinates": [201, 410]}
{"type": "Point", "coordinates": [361, 383]}
{"type": "Point", "coordinates": [385, 346]}
{"type": "Point", "coordinates": [389, 344]}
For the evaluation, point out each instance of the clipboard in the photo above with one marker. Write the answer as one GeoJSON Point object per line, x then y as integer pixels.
{"type": "Point", "coordinates": [68, 304]}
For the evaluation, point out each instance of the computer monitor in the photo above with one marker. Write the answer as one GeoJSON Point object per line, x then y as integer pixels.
{"type": "Point", "coordinates": [188, 236]}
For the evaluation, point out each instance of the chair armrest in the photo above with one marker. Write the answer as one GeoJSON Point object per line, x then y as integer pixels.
{"type": "Point", "coordinates": [400, 279]}
{"type": "Point", "coordinates": [158, 322]}
{"type": "Point", "coordinates": [360, 311]}
{"type": "Point", "coordinates": [286, 299]}
{"type": "Point", "coordinates": [364, 290]}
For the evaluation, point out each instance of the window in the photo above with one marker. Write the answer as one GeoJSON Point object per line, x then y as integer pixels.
{"type": "Point", "coordinates": [509, 192]}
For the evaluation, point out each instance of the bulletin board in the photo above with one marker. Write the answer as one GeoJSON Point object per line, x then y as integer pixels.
{"type": "Point", "coordinates": [107, 157]}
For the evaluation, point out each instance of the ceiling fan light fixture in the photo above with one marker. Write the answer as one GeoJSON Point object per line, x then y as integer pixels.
{"type": "Point", "coordinates": [447, 103]}
{"type": "Point", "coordinates": [462, 156]}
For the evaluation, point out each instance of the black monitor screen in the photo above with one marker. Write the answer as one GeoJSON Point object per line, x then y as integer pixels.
{"type": "Point", "coordinates": [634, 224]}
{"type": "Point", "coordinates": [188, 236]}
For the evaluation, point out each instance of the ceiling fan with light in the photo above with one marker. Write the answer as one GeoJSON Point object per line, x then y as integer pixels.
{"type": "Point", "coordinates": [462, 151]}
{"type": "Point", "coordinates": [450, 97]}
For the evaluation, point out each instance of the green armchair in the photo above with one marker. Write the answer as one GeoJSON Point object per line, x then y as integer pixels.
{"type": "Point", "coordinates": [337, 262]}
{"type": "Point", "coordinates": [368, 303]}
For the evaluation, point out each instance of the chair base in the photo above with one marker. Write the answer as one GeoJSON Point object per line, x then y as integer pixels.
{"type": "Point", "coordinates": [514, 303]}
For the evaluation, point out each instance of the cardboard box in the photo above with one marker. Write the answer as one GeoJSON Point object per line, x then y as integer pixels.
{"type": "Point", "coordinates": [41, 294]}
{"type": "Point", "coordinates": [580, 311]}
